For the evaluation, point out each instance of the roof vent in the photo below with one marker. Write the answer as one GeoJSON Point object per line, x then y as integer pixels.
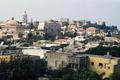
{"type": "Point", "coordinates": [108, 55]}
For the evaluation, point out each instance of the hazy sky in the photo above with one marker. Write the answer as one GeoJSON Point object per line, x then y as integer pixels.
{"type": "Point", "coordinates": [108, 10]}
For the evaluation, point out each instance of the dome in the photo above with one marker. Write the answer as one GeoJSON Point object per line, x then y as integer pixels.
{"type": "Point", "coordinates": [91, 29]}
{"type": "Point", "coordinates": [11, 22]}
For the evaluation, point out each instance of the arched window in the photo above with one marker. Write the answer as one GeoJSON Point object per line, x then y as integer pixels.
{"type": "Point", "coordinates": [100, 65]}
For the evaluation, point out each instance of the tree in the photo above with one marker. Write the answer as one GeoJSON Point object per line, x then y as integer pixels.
{"type": "Point", "coordinates": [30, 35]}
{"type": "Point", "coordinates": [109, 34]}
{"type": "Point", "coordinates": [65, 24]}
{"type": "Point", "coordinates": [50, 37]}
{"type": "Point", "coordinates": [69, 74]}
{"type": "Point", "coordinates": [40, 67]}
{"type": "Point", "coordinates": [114, 51]}
{"type": "Point", "coordinates": [22, 69]}
{"type": "Point", "coordinates": [70, 34]}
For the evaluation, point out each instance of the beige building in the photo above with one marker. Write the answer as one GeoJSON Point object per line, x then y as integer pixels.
{"type": "Point", "coordinates": [57, 60]}
{"type": "Point", "coordinates": [91, 45]}
{"type": "Point", "coordinates": [91, 30]}
{"type": "Point", "coordinates": [12, 27]}
{"type": "Point", "coordinates": [78, 61]}
{"type": "Point", "coordinates": [61, 41]}
{"type": "Point", "coordinates": [81, 31]}
{"type": "Point", "coordinates": [72, 28]}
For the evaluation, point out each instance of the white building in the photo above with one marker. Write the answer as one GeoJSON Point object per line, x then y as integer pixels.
{"type": "Point", "coordinates": [42, 25]}
{"type": "Point", "coordinates": [80, 38]}
{"type": "Point", "coordinates": [101, 22]}
{"type": "Point", "coordinates": [91, 45]}
{"type": "Point", "coordinates": [64, 19]}
{"type": "Point", "coordinates": [34, 52]}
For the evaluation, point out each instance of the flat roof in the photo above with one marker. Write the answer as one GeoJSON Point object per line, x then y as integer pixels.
{"type": "Point", "coordinates": [99, 56]}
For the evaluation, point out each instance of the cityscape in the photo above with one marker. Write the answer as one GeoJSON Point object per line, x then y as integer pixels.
{"type": "Point", "coordinates": [59, 49]}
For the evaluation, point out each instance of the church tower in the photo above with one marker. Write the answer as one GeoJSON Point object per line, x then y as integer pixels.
{"type": "Point", "coordinates": [25, 18]}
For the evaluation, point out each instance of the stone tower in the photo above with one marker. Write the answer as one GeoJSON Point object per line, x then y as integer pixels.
{"type": "Point", "coordinates": [25, 18]}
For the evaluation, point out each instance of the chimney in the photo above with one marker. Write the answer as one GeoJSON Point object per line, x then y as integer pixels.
{"type": "Point", "coordinates": [108, 53]}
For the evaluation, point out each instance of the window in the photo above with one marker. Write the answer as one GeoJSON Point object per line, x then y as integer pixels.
{"type": "Point", "coordinates": [45, 57]}
{"type": "Point", "coordinates": [63, 63]}
{"type": "Point", "coordinates": [100, 65]}
{"type": "Point", "coordinates": [76, 65]}
{"type": "Point", "coordinates": [92, 63]}
{"type": "Point", "coordinates": [4, 59]}
{"type": "Point", "coordinates": [108, 67]}
{"type": "Point", "coordinates": [51, 29]}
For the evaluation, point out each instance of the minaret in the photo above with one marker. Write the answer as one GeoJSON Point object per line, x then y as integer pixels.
{"type": "Point", "coordinates": [31, 20]}
{"type": "Point", "coordinates": [25, 19]}
{"type": "Point", "coordinates": [31, 24]}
